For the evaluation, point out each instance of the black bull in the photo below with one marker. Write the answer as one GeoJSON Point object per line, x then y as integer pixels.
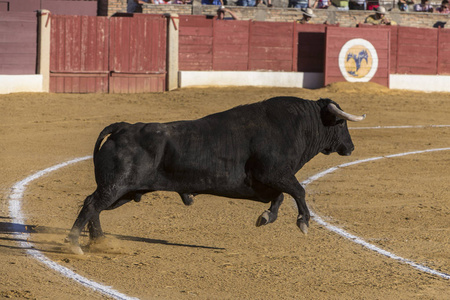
{"type": "Point", "coordinates": [249, 152]}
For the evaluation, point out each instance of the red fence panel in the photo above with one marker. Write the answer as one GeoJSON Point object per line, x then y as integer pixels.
{"type": "Point", "coordinates": [79, 44]}
{"type": "Point", "coordinates": [138, 44]}
{"type": "Point", "coordinates": [60, 7]}
{"type": "Point", "coordinates": [79, 54]}
{"type": "Point", "coordinates": [271, 46]}
{"type": "Point", "coordinates": [230, 47]}
{"type": "Point", "coordinates": [357, 55]}
{"type": "Point", "coordinates": [208, 44]}
{"type": "Point", "coordinates": [393, 41]}
{"type": "Point", "coordinates": [18, 37]}
{"type": "Point", "coordinates": [138, 54]}
{"type": "Point", "coordinates": [444, 52]}
{"type": "Point", "coordinates": [417, 51]}
{"type": "Point", "coordinates": [24, 5]}
{"type": "Point", "coordinates": [72, 7]}
{"type": "Point", "coordinates": [195, 43]}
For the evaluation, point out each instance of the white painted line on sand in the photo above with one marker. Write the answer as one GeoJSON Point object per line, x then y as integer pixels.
{"type": "Point", "coordinates": [15, 211]}
{"type": "Point", "coordinates": [359, 240]}
{"type": "Point", "coordinates": [18, 190]}
{"type": "Point", "coordinates": [401, 127]}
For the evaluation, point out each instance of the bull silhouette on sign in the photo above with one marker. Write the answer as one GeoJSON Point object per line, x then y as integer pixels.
{"type": "Point", "coordinates": [358, 58]}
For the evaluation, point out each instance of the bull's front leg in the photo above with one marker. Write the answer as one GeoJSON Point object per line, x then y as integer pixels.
{"type": "Point", "coordinates": [303, 211]}
{"type": "Point", "coordinates": [187, 199]}
{"type": "Point", "coordinates": [269, 216]}
{"type": "Point", "coordinates": [291, 186]}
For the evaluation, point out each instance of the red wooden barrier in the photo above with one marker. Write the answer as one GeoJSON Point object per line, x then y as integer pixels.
{"type": "Point", "coordinates": [271, 46]}
{"type": "Point", "coordinates": [393, 41]}
{"type": "Point", "coordinates": [417, 51]}
{"type": "Point", "coordinates": [60, 7]}
{"type": "Point", "coordinates": [230, 45]}
{"type": "Point", "coordinates": [128, 54]}
{"type": "Point", "coordinates": [207, 44]}
{"type": "Point", "coordinates": [195, 43]}
{"type": "Point", "coordinates": [18, 43]}
{"type": "Point", "coordinates": [443, 57]}
{"type": "Point", "coordinates": [138, 54]}
{"type": "Point", "coordinates": [356, 55]}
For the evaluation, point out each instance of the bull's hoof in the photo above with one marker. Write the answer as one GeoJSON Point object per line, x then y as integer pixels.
{"type": "Point", "coordinates": [263, 219]}
{"type": "Point", "coordinates": [76, 250]}
{"type": "Point", "coordinates": [303, 225]}
{"type": "Point", "coordinates": [189, 200]}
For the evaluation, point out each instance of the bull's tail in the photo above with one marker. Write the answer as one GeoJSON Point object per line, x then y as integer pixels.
{"type": "Point", "coordinates": [105, 132]}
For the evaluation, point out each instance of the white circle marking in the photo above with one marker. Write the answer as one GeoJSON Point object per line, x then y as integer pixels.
{"type": "Point", "coordinates": [18, 189]}
{"type": "Point", "coordinates": [359, 240]}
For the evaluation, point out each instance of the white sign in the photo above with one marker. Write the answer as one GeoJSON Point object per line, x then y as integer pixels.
{"type": "Point", "coordinates": [358, 60]}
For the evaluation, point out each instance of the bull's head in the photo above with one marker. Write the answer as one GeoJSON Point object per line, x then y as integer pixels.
{"type": "Point", "coordinates": [335, 120]}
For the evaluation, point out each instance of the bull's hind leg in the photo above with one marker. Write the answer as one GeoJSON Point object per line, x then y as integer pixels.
{"type": "Point", "coordinates": [90, 213]}
{"type": "Point", "coordinates": [269, 216]}
{"type": "Point", "coordinates": [86, 214]}
{"type": "Point", "coordinates": [94, 226]}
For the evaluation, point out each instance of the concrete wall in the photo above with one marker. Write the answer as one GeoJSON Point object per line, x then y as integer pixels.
{"type": "Point", "coordinates": [347, 18]}
{"type": "Point", "coordinates": [250, 78]}
{"type": "Point", "coordinates": [425, 83]}
{"type": "Point", "coordinates": [20, 83]}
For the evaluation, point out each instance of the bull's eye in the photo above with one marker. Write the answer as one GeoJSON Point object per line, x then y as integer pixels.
{"type": "Point", "coordinates": [341, 123]}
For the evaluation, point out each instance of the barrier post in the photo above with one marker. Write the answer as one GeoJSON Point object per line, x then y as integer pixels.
{"type": "Point", "coordinates": [43, 63]}
{"type": "Point", "coordinates": [172, 51]}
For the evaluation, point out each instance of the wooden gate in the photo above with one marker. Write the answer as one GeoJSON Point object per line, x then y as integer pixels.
{"type": "Point", "coordinates": [100, 55]}
{"type": "Point", "coordinates": [137, 58]}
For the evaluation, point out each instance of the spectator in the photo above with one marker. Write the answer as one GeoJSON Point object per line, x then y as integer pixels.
{"type": "Point", "coordinates": [308, 14]}
{"type": "Point", "coordinates": [424, 6]}
{"type": "Point", "coordinates": [135, 6]}
{"type": "Point", "coordinates": [263, 2]}
{"type": "Point", "coordinates": [162, 1]}
{"type": "Point", "coordinates": [379, 18]}
{"type": "Point", "coordinates": [357, 4]}
{"type": "Point", "coordinates": [246, 3]}
{"type": "Point", "coordinates": [303, 4]}
{"type": "Point", "coordinates": [321, 4]}
{"type": "Point", "coordinates": [372, 4]}
{"type": "Point", "coordinates": [221, 14]}
{"type": "Point", "coordinates": [403, 5]}
{"type": "Point", "coordinates": [212, 2]}
{"type": "Point", "coordinates": [444, 8]}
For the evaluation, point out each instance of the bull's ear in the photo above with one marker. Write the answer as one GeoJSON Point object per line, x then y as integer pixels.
{"type": "Point", "coordinates": [329, 119]}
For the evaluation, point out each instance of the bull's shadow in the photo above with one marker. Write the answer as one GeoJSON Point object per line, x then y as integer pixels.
{"type": "Point", "coordinates": [16, 229]}
{"type": "Point", "coordinates": [162, 242]}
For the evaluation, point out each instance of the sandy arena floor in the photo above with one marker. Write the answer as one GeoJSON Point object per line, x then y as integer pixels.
{"type": "Point", "coordinates": [160, 249]}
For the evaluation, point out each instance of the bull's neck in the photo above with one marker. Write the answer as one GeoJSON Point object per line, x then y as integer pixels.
{"type": "Point", "coordinates": [315, 133]}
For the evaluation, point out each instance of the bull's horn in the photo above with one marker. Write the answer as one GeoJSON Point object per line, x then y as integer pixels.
{"type": "Point", "coordinates": [342, 114]}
